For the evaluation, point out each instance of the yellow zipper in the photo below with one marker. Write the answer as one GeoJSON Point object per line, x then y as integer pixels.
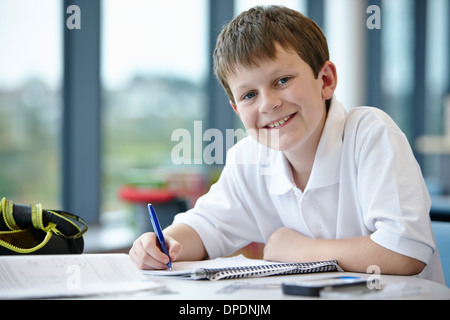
{"type": "Point", "coordinates": [22, 250]}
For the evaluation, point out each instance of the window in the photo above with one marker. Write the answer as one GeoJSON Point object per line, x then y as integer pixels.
{"type": "Point", "coordinates": [345, 26]}
{"type": "Point", "coordinates": [30, 101]}
{"type": "Point", "coordinates": [437, 62]}
{"type": "Point", "coordinates": [397, 59]}
{"type": "Point", "coordinates": [154, 72]}
{"type": "Point", "coordinates": [434, 144]}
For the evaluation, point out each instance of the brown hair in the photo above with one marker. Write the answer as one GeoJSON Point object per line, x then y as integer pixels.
{"type": "Point", "coordinates": [251, 37]}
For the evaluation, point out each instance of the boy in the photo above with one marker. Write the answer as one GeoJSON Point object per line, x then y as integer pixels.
{"type": "Point", "coordinates": [333, 184]}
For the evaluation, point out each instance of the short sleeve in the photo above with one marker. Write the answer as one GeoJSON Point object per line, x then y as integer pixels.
{"type": "Point", "coordinates": [393, 195]}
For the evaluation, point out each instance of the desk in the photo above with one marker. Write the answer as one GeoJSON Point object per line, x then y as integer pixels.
{"type": "Point", "coordinates": [181, 289]}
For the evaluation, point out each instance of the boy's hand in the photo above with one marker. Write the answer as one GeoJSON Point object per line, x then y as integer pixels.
{"type": "Point", "coordinates": [146, 253]}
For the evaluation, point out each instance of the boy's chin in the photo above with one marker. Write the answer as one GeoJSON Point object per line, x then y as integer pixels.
{"type": "Point", "coordinates": [269, 139]}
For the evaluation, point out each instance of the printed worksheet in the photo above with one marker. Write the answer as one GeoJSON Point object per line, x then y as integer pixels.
{"type": "Point", "coordinates": [50, 276]}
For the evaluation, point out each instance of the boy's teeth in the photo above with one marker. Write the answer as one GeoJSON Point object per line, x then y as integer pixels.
{"type": "Point", "coordinates": [279, 123]}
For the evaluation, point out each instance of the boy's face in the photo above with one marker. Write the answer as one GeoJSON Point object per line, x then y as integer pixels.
{"type": "Point", "coordinates": [281, 98]}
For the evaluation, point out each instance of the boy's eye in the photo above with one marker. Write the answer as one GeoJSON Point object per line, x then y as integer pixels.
{"type": "Point", "coordinates": [249, 96]}
{"type": "Point", "coordinates": [283, 80]}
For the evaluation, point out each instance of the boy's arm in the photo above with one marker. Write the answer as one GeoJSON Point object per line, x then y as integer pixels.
{"type": "Point", "coordinates": [192, 245]}
{"type": "Point", "coordinates": [355, 254]}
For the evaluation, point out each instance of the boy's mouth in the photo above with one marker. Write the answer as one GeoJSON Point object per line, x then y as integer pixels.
{"type": "Point", "coordinates": [279, 123]}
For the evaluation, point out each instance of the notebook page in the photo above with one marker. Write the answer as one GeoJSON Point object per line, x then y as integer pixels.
{"type": "Point", "coordinates": [185, 268]}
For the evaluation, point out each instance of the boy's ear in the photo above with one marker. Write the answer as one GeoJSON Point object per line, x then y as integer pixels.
{"type": "Point", "coordinates": [234, 108]}
{"type": "Point", "coordinates": [328, 75]}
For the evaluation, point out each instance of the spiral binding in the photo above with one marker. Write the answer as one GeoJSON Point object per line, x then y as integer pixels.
{"type": "Point", "coordinates": [266, 270]}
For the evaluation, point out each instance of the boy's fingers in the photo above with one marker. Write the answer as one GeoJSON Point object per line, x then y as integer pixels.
{"type": "Point", "coordinates": [146, 253]}
{"type": "Point", "coordinates": [174, 248]}
{"type": "Point", "coordinates": [151, 246]}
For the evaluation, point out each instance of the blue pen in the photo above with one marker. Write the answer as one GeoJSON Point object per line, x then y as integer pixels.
{"type": "Point", "coordinates": [159, 234]}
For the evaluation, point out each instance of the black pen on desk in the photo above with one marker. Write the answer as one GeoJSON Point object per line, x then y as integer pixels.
{"type": "Point", "coordinates": [159, 234]}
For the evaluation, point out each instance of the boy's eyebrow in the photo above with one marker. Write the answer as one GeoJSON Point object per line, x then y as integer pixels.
{"type": "Point", "coordinates": [241, 87]}
{"type": "Point", "coordinates": [246, 85]}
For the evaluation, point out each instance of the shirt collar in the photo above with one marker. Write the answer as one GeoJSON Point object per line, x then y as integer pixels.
{"type": "Point", "coordinates": [326, 167]}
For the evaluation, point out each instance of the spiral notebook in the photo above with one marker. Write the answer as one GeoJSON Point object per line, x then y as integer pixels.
{"type": "Point", "coordinates": [242, 267]}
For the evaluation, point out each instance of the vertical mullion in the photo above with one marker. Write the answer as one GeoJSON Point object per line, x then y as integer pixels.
{"type": "Point", "coordinates": [81, 120]}
{"type": "Point", "coordinates": [219, 113]}
{"type": "Point", "coordinates": [373, 74]}
{"type": "Point", "coordinates": [316, 12]}
{"type": "Point", "coordinates": [420, 20]}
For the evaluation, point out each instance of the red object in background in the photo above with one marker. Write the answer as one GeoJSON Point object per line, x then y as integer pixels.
{"type": "Point", "coordinates": [146, 195]}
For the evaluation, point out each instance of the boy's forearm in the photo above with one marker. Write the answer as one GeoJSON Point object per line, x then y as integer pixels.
{"type": "Point", "coordinates": [357, 254]}
{"type": "Point", "coordinates": [193, 248]}
{"type": "Point", "coordinates": [354, 254]}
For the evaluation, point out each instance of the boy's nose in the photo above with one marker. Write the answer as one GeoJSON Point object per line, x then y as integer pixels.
{"type": "Point", "coordinates": [269, 102]}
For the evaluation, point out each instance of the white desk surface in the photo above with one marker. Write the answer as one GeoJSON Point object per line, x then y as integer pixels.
{"type": "Point", "coordinates": [182, 289]}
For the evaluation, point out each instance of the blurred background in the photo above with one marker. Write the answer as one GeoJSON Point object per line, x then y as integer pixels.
{"type": "Point", "coordinates": [87, 115]}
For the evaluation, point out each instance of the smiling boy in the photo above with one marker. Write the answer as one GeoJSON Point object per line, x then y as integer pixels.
{"type": "Point", "coordinates": [341, 185]}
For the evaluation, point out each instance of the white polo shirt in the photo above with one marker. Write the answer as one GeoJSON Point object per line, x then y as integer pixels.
{"type": "Point", "coordinates": [365, 181]}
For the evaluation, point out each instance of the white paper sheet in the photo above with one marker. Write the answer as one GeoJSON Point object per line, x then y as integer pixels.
{"type": "Point", "coordinates": [49, 276]}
